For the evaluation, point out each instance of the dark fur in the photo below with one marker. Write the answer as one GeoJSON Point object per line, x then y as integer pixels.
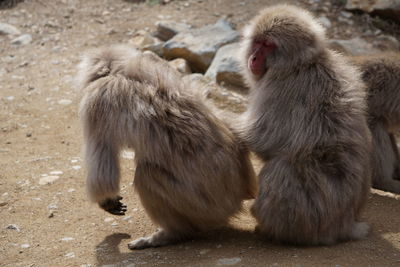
{"type": "Point", "coordinates": [381, 73]}
{"type": "Point", "coordinates": [192, 172]}
{"type": "Point", "coordinates": [306, 120]}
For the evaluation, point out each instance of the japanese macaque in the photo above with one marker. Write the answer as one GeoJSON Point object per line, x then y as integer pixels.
{"type": "Point", "coordinates": [381, 73]}
{"type": "Point", "coordinates": [192, 171]}
{"type": "Point", "coordinates": [306, 120]}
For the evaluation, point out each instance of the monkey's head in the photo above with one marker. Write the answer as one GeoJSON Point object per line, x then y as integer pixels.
{"type": "Point", "coordinates": [281, 37]}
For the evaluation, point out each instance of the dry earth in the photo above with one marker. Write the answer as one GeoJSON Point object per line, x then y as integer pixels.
{"type": "Point", "coordinates": [40, 137]}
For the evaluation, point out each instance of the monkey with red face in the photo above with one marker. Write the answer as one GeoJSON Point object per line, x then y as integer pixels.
{"type": "Point", "coordinates": [307, 121]}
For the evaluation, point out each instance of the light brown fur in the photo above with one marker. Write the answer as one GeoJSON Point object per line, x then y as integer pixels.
{"type": "Point", "coordinates": [192, 172]}
{"type": "Point", "coordinates": [306, 120]}
{"type": "Point", "coordinates": [381, 73]}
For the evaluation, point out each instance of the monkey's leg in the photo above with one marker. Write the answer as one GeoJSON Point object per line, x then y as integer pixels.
{"type": "Point", "coordinates": [103, 175]}
{"type": "Point", "coordinates": [156, 189]}
{"type": "Point", "coordinates": [384, 160]}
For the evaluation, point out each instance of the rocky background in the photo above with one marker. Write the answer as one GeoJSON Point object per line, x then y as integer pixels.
{"type": "Point", "coordinates": [45, 218]}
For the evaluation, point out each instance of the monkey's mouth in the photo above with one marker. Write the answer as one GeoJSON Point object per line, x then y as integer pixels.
{"type": "Point", "coordinates": [258, 58]}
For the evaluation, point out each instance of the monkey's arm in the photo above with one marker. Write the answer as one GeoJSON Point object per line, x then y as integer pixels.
{"type": "Point", "coordinates": [113, 206]}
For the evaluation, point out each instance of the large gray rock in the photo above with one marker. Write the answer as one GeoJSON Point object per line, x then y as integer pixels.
{"type": "Point", "coordinates": [7, 29]}
{"type": "Point", "coordinates": [225, 68]}
{"type": "Point", "coordinates": [355, 46]}
{"type": "Point", "coordinates": [199, 46]}
{"type": "Point", "coordinates": [385, 8]}
{"type": "Point", "coordinates": [168, 29]}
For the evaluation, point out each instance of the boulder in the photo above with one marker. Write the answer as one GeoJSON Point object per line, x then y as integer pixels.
{"type": "Point", "coordinates": [199, 46]}
{"type": "Point", "coordinates": [225, 68]}
{"type": "Point", "coordinates": [168, 29]}
{"type": "Point", "coordinates": [389, 9]}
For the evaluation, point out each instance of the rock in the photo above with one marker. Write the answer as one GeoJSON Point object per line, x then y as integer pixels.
{"type": "Point", "coordinates": [229, 261]}
{"type": "Point", "coordinates": [127, 218]}
{"type": "Point", "coordinates": [389, 9]}
{"type": "Point", "coordinates": [355, 46]}
{"type": "Point", "coordinates": [325, 22]}
{"type": "Point", "coordinates": [168, 29]}
{"type": "Point", "coordinates": [181, 65]}
{"type": "Point", "coordinates": [220, 97]}
{"type": "Point", "coordinates": [199, 46]}
{"type": "Point", "coordinates": [48, 179]}
{"type": "Point", "coordinates": [226, 67]}
{"type": "Point", "coordinates": [7, 29]}
{"type": "Point", "coordinates": [56, 172]}
{"type": "Point", "coordinates": [145, 41]}
{"type": "Point", "coordinates": [67, 239]}
{"type": "Point", "coordinates": [70, 255]}
{"type": "Point", "coordinates": [76, 167]}
{"type": "Point", "coordinates": [52, 206]}
{"type": "Point", "coordinates": [13, 227]}
{"type": "Point", "coordinates": [25, 246]}
{"type": "Point", "coordinates": [108, 219]}
{"type": "Point", "coordinates": [22, 40]}
{"type": "Point", "coordinates": [65, 102]}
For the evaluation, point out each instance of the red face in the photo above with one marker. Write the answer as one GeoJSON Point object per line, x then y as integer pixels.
{"type": "Point", "coordinates": [259, 52]}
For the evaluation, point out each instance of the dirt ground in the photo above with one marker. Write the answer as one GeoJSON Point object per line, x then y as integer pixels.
{"type": "Point", "coordinates": [40, 138]}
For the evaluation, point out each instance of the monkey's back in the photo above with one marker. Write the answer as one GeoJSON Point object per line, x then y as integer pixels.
{"type": "Point", "coordinates": [202, 170]}
{"type": "Point", "coordinates": [317, 143]}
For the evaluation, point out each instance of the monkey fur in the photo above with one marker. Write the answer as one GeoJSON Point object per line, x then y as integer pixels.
{"type": "Point", "coordinates": [192, 171]}
{"type": "Point", "coordinates": [381, 73]}
{"type": "Point", "coordinates": [306, 120]}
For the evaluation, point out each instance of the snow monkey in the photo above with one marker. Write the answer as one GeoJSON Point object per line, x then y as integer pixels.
{"type": "Point", "coordinates": [192, 171]}
{"type": "Point", "coordinates": [307, 121]}
{"type": "Point", "coordinates": [381, 73]}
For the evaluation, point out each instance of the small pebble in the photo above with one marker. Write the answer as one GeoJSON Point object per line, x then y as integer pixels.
{"type": "Point", "coordinates": [76, 167]}
{"type": "Point", "coordinates": [48, 179]}
{"type": "Point", "coordinates": [65, 102]}
{"type": "Point", "coordinates": [13, 227]}
{"type": "Point", "coordinates": [67, 239]}
{"type": "Point", "coordinates": [70, 255]}
{"type": "Point", "coordinates": [108, 219]}
{"type": "Point", "coordinates": [25, 246]}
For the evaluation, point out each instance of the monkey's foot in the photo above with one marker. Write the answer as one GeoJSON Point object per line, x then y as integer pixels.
{"type": "Point", "coordinates": [113, 206]}
{"type": "Point", "coordinates": [158, 239]}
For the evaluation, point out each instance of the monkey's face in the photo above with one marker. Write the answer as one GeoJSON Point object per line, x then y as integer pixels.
{"type": "Point", "coordinates": [259, 52]}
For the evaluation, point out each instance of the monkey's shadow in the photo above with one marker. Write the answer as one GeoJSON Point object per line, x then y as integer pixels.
{"type": "Point", "coordinates": [378, 249]}
{"type": "Point", "coordinates": [108, 251]}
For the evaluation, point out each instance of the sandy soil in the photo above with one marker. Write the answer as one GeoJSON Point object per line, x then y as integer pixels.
{"type": "Point", "coordinates": [40, 137]}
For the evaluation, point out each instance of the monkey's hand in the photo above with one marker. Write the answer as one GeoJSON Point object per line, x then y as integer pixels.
{"type": "Point", "coordinates": [113, 206]}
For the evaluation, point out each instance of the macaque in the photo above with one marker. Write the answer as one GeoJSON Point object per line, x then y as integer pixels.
{"type": "Point", "coordinates": [192, 171]}
{"type": "Point", "coordinates": [306, 120]}
{"type": "Point", "coordinates": [381, 73]}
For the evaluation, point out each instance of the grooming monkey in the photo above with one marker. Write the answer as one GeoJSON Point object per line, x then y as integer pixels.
{"type": "Point", "coordinates": [192, 172]}
{"type": "Point", "coordinates": [381, 73]}
{"type": "Point", "coordinates": [306, 120]}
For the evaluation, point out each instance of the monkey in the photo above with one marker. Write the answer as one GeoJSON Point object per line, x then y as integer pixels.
{"type": "Point", "coordinates": [306, 121]}
{"type": "Point", "coordinates": [192, 170]}
{"type": "Point", "coordinates": [381, 74]}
